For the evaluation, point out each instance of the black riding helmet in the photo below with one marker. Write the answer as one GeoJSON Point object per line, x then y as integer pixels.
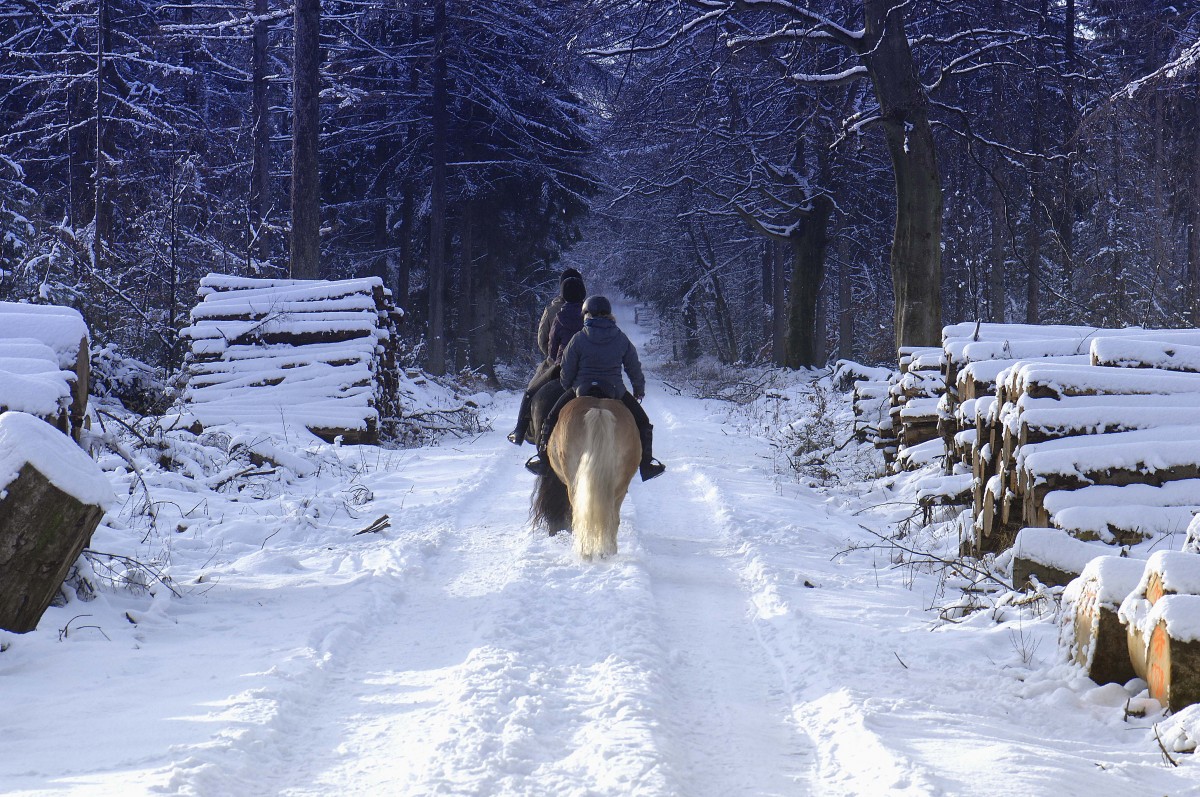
{"type": "Point", "coordinates": [597, 305]}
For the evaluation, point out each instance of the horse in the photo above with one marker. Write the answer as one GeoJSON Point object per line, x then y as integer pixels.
{"type": "Point", "coordinates": [594, 452]}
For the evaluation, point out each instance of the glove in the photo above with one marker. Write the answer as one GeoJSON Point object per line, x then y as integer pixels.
{"type": "Point", "coordinates": [639, 396]}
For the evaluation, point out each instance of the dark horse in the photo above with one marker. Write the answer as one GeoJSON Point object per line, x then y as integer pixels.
{"type": "Point", "coordinates": [594, 452]}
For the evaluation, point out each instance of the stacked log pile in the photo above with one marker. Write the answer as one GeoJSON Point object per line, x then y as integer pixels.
{"type": "Point", "coordinates": [44, 364]}
{"type": "Point", "coordinates": [913, 408]}
{"type": "Point", "coordinates": [52, 495]}
{"type": "Point", "coordinates": [1061, 430]}
{"type": "Point", "coordinates": [315, 353]}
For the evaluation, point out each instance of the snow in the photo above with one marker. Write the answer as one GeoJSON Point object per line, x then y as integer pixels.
{"type": "Point", "coordinates": [1115, 577]}
{"type": "Point", "coordinates": [28, 440]}
{"type": "Point", "coordinates": [1181, 613]}
{"type": "Point", "coordinates": [1055, 548]}
{"type": "Point", "coordinates": [752, 637]}
{"type": "Point", "coordinates": [62, 329]}
{"type": "Point", "coordinates": [1064, 379]}
{"type": "Point", "coordinates": [1145, 354]}
{"type": "Point", "coordinates": [1146, 451]}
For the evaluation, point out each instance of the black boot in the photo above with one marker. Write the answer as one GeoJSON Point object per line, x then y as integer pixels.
{"type": "Point", "coordinates": [539, 464]}
{"type": "Point", "coordinates": [650, 467]}
{"type": "Point", "coordinates": [517, 436]}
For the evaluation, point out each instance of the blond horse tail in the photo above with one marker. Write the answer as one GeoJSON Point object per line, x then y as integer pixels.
{"type": "Point", "coordinates": [595, 512]}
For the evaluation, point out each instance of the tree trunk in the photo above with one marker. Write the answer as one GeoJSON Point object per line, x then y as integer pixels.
{"type": "Point", "coordinates": [260, 171]}
{"type": "Point", "coordinates": [306, 120]}
{"type": "Point", "coordinates": [1192, 281]}
{"type": "Point", "coordinates": [779, 317]}
{"type": "Point", "coordinates": [845, 311]}
{"type": "Point", "coordinates": [103, 208]}
{"type": "Point", "coordinates": [465, 293]}
{"type": "Point", "coordinates": [1066, 220]}
{"type": "Point", "coordinates": [808, 265]}
{"type": "Point", "coordinates": [995, 279]}
{"type": "Point", "coordinates": [436, 356]}
{"type": "Point", "coordinates": [916, 259]}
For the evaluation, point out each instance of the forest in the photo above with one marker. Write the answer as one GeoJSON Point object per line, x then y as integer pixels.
{"type": "Point", "coordinates": [781, 181]}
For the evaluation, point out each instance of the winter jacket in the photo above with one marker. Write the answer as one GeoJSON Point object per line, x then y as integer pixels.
{"type": "Point", "coordinates": [568, 321]}
{"type": "Point", "coordinates": [547, 321]}
{"type": "Point", "coordinates": [595, 357]}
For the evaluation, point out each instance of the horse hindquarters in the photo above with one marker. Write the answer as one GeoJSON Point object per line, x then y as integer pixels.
{"type": "Point", "coordinates": [600, 482]}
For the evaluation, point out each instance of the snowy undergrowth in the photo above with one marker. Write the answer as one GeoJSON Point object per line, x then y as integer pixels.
{"type": "Point", "coordinates": [193, 506]}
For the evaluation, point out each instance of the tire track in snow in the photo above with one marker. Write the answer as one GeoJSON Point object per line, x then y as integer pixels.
{"type": "Point", "coordinates": [728, 715]}
{"type": "Point", "coordinates": [277, 728]}
{"type": "Point", "coordinates": [486, 660]}
{"type": "Point", "coordinates": [737, 502]}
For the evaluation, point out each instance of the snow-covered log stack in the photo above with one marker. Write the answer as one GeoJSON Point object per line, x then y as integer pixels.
{"type": "Point", "coordinates": [1095, 451]}
{"type": "Point", "coordinates": [52, 496]}
{"type": "Point", "coordinates": [314, 353]}
{"type": "Point", "coordinates": [870, 388]}
{"type": "Point", "coordinates": [914, 407]}
{"type": "Point", "coordinates": [44, 364]}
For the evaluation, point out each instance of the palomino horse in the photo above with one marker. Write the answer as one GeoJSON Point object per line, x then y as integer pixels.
{"type": "Point", "coordinates": [594, 452]}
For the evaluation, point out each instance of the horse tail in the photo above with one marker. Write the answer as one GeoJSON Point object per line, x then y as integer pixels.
{"type": "Point", "coordinates": [596, 513]}
{"type": "Point", "coordinates": [551, 506]}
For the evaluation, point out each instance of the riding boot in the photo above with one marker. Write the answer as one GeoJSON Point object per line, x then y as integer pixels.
{"type": "Point", "coordinates": [650, 467]}
{"type": "Point", "coordinates": [540, 464]}
{"type": "Point", "coordinates": [524, 418]}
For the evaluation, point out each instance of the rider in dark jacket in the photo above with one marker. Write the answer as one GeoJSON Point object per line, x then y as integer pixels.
{"type": "Point", "coordinates": [592, 364]}
{"type": "Point", "coordinates": [565, 324]}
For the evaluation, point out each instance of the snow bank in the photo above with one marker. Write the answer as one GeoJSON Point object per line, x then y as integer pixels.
{"type": "Point", "coordinates": [25, 439]}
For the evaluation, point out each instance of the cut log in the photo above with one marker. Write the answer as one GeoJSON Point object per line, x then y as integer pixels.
{"type": "Point", "coordinates": [53, 499]}
{"type": "Point", "coordinates": [1092, 633]}
{"type": "Point", "coordinates": [1173, 651]}
{"type": "Point", "coordinates": [1054, 557]}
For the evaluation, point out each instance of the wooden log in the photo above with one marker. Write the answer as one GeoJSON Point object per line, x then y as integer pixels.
{"type": "Point", "coordinates": [1172, 657]}
{"type": "Point", "coordinates": [1093, 634]}
{"type": "Point", "coordinates": [1054, 557]}
{"type": "Point", "coordinates": [42, 532]}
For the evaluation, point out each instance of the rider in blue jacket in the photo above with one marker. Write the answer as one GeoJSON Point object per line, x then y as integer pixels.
{"type": "Point", "coordinates": [592, 365]}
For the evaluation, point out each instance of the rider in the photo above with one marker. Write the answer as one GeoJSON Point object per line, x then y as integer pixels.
{"type": "Point", "coordinates": [566, 323]}
{"type": "Point", "coordinates": [592, 363]}
{"type": "Point", "coordinates": [552, 309]}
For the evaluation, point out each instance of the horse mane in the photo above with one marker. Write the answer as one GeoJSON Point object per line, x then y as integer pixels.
{"type": "Point", "coordinates": [594, 513]}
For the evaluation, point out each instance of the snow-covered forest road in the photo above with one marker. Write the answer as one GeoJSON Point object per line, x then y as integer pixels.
{"type": "Point", "coordinates": [745, 641]}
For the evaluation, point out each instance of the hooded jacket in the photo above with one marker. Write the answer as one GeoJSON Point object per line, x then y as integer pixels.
{"type": "Point", "coordinates": [547, 321]}
{"type": "Point", "coordinates": [568, 321]}
{"type": "Point", "coordinates": [595, 358]}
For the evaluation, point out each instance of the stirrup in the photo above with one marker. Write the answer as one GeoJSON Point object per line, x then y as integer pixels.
{"type": "Point", "coordinates": [651, 469]}
{"type": "Point", "coordinates": [536, 465]}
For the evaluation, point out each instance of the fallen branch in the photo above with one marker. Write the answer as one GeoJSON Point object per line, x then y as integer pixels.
{"type": "Point", "coordinates": [377, 525]}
